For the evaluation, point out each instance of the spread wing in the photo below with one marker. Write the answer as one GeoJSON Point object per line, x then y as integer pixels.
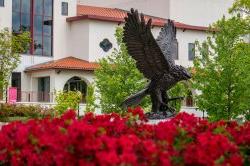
{"type": "Point", "coordinates": [143, 47]}
{"type": "Point", "coordinates": [168, 43]}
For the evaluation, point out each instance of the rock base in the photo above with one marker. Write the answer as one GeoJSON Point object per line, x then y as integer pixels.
{"type": "Point", "coordinates": [160, 115]}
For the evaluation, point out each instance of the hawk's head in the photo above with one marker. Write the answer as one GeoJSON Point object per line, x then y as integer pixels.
{"type": "Point", "coordinates": [183, 74]}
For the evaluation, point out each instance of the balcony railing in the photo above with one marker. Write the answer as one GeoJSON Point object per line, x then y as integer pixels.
{"type": "Point", "coordinates": [34, 96]}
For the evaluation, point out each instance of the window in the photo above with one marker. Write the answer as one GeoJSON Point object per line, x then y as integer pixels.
{"type": "Point", "coordinates": [44, 89]}
{"type": "Point", "coordinates": [35, 16]}
{"type": "Point", "coordinates": [106, 45]}
{"type": "Point", "coordinates": [64, 8]}
{"type": "Point", "coordinates": [21, 16]}
{"type": "Point", "coordinates": [42, 32]}
{"type": "Point", "coordinates": [176, 54]}
{"type": "Point", "coordinates": [1, 2]}
{"type": "Point", "coordinates": [191, 51]}
{"type": "Point", "coordinates": [76, 84]}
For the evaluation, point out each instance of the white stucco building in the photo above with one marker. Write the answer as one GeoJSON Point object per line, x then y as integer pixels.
{"type": "Point", "coordinates": [69, 38]}
{"type": "Point", "coordinates": [194, 12]}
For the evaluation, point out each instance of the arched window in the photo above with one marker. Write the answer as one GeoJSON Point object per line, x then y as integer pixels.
{"type": "Point", "coordinates": [76, 84]}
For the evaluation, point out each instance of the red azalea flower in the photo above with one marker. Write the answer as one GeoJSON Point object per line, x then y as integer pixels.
{"type": "Point", "coordinates": [113, 140]}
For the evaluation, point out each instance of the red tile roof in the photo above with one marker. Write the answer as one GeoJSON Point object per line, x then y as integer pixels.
{"type": "Point", "coordinates": [117, 15]}
{"type": "Point", "coordinates": [69, 63]}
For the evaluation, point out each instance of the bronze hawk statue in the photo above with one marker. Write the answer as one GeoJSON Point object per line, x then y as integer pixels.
{"type": "Point", "coordinates": [154, 58]}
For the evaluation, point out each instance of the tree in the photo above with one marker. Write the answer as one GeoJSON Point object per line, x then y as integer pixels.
{"type": "Point", "coordinates": [221, 70]}
{"type": "Point", "coordinates": [241, 6]}
{"type": "Point", "coordinates": [11, 46]}
{"type": "Point", "coordinates": [181, 89]}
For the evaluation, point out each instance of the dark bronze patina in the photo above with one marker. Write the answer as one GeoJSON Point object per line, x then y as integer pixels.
{"type": "Point", "coordinates": [154, 58]}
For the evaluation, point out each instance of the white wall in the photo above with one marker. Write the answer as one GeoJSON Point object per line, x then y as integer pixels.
{"type": "Point", "coordinates": [78, 40]}
{"type": "Point", "coordinates": [151, 7]}
{"type": "Point", "coordinates": [43, 73]}
{"type": "Point", "coordinates": [6, 15]}
{"type": "Point", "coordinates": [195, 12]}
{"type": "Point", "coordinates": [62, 77]}
{"type": "Point", "coordinates": [86, 36]}
{"type": "Point", "coordinates": [30, 60]}
{"type": "Point", "coordinates": [26, 61]}
{"type": "Point", "coordinates": [61, 31]}
{"type": "Point", "coordinates": [198, 12]}
{"type": "Point", "coordinates": [99, 30]}
{"type": "Point", "coordinates": [57, 80]}
{"type": "Point", "coordinates": [185, 37]}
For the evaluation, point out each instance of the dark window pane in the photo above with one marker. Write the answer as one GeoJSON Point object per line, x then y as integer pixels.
{"type": "Point", "coordinates": [25, 6]}
{"type": "Point", "coordinates": [38, 25]}
{"type": "Point", "coordinates": [44, 89]}
{"type": "Point", "coordinates": [38, 7]}
{"type": "Point", "coordinates": [65, 8]}
{"type": "Point", "coordinates": [48, 7]}
{"type": "Point", "coordinates": [16, 82]}
{"type": "Point", "coordinates": [176, 47]}
{"type": "Point", "coordinates": [191, 51]}
{"type": "Point", "coordinates": [44, 84]}
{"type": "Point", "coordinates": [25, 22]}
{"type": "Point", "coordinates": [15, 5]}
{"type": "Point", "coordinates": [47, 26]}
{"type": "Point", "coordinates": [1, 2]}
{"type": "Point", "coordinates": [47, 46]}
{"type": "Point", "coordinates": [38, 46]}
{"type": "Point", "coordinates": [106, 45]}
{"type": "Point", "coordinates": [16, 22]}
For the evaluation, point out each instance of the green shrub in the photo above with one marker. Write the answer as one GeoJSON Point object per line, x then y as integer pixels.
{"type": "Point", "coordinates": [67, 100]}
{"type": "Point", "coordinates": [90, 99]}
{"type": "Point", "coordinates": [10, 112]}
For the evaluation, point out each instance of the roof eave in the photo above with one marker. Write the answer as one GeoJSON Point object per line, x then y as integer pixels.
{"type": "Point", "coordinates": [119, 20]}
{"type": "Point", "coordinates": [56, 68]}
{"type": "Point", "coordinates": [94, 17]}
{"type": "Point", "coordinates": [104, 18]}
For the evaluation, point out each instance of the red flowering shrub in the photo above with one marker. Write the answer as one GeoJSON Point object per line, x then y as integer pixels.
{"type": "Point", "coordinates": [113, 140]}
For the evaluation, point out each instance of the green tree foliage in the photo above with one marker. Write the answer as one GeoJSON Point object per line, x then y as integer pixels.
{"type": "Point", "coordinates": [118, 78]}
{"type": "Point", "coordinates": [67, 100]}
{"type": "Point", "coordinates": [90, 99]}
{"type": "Point", "coordinates": [221, 70]}
{"type": "Point", "coordinates": [241, 6]}
{"type": "Point", "coordinates": [181, 89]}
{"type": "Point", "coordinates": [11, 46]}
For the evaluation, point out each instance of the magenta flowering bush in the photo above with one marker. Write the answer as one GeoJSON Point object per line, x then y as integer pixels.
{"type": "Point", "coordinates": [113, 140]}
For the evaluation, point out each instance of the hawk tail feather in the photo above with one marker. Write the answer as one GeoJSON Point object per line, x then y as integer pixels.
{"type": "Point", "coordinates": [135, 99]}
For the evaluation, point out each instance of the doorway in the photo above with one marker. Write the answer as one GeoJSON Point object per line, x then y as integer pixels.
{"type": "Point", "coordinates": [16, 82]}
